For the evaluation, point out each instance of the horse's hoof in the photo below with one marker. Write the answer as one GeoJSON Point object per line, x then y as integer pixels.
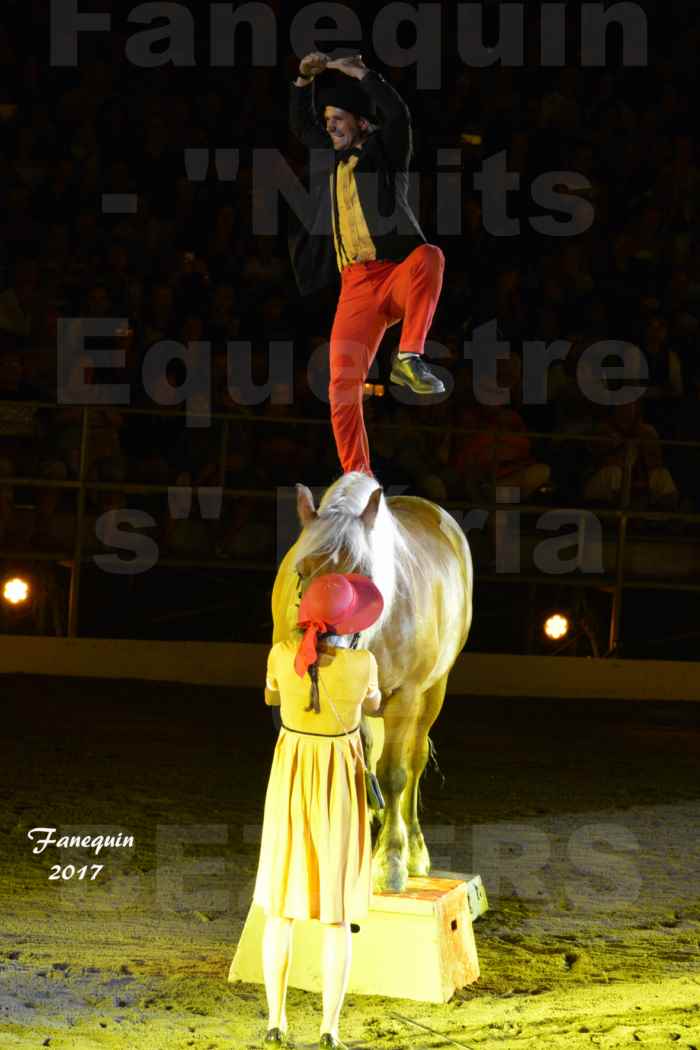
{"type": "Point", "coordinates": [419, 863]}
{"type": "Point", "coordinates": [417, 857]}
{"type": "Point", "coordinates": [419, 868]}
{"type": "Point", "coordinates": [392, 878]}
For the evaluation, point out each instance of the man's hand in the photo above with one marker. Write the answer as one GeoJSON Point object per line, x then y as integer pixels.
{"type": "Point", "coordinates": [313, 64]}
{"type": "Point", "coordinates": [350, 64]}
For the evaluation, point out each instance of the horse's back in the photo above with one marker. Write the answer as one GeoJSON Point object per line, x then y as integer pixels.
{"type": "Point", "coordinates": [284, 599]}
{"type": "Point", "coordinates": [444, 576]}
{"type": "Point", "coordinates": [427, 524]}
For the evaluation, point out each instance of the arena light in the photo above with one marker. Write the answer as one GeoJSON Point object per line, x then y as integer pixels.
{"type": "Point", "coordinates": [15, 591]}
{"type": "Point", "coordinates": [556, 627]}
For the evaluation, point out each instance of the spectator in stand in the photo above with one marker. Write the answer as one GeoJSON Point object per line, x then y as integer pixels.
{"type": "Point", "coordinates": [91, 239]}
{"type": "Point", "coordinates": [223, 321]}
{"type": "Point", "coordinates": [105, 459]}
{"type": "Point", "coordinates": [139, 437]}
{"type": "Point", "coordinates": [667, 110]}
{"type": "Point", "coordinates": [470, 260]}
{"type": "Point", "coordinates": [511, 309]}
{"type": "Point", "coordinates": [222, 243]}
{"type": "Point", "coordinates": [59, 196]}
{"type": "Point", "coordinates": [319, 376]}
{"type": "Point", "coordinates": [665, 382]}
{"type": "Point", "coordinates": [644, 244]}
{"type": "Point", "coordinates": [23, 453]}
{"type": "Point", "coordinates": [264, 264]}
{"type": "Point", "coordinates": [684, 336]}
{"type": "Point", "coordinates": [594, 318]}
{"type": "Point", "coordinates": [679, 182]}
{"type": "Point", "coordinates": [379, 414]}
{"type": "Point", "coordinates": [570, 269]}
{"type": "Point", "coordinates": [575, 413]}
{"type": "Point", "coordinates": [304, 400]}
{"type": "Point", "coordinates": [191, 333]}
{"type": "Point", "coordinates": [651, 479]}
{"type": "Point", "coordinates": [22, 305]}
{"type": "Point", "coordinates": [505, 458]}
{"type": "Point", "coordinates": [59, 251]}
{"type": "Point", "coordinates": [19, 226]}
{"type": "Point", "coordinates": [504, 300]}
{"type": "Point", "coordinates": [560, 110]}
{"type": "Point", "coordinates": [18, 433]}
{"type": "Point", "coordinates": [685, 461]}
{"type": "Point", "coordinates": [283, 452]}
{"type": "Point", "coordinates": [665, 379]}
{"type": "Point", "coordinates": [275, 319]}
{"type": "Point", "coordinates": [194, 461]}
{"type": "Point", "coordinates": [159, 315]}
{"type": "Point", "coordinates": [96, 305]}
{"type": "Point", "coordinates": [416, 455]}
{"type": "Point", "coordinates": [119, 280]}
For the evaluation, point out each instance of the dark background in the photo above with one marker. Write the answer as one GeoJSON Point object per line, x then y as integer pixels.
{"type": "Point", "coordinates": [109, 127]}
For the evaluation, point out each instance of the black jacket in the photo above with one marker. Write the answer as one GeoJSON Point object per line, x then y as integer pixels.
{"type": "Point", "coordinates": [382, 181]}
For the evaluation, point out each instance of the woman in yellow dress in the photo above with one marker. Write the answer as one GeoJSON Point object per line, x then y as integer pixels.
{"type": "Point", "coordinates": [316, 848]}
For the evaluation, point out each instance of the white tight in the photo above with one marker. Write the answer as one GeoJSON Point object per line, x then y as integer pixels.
{"type": "Point", "coordinates": [335, 962]}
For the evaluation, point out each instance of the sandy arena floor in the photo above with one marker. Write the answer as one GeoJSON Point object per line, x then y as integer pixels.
{"type": "Point", "coordinates": [593, 939]}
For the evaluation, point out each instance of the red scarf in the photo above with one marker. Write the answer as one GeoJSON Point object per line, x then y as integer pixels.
{"type": "Point", "coordinates": [307, 653]}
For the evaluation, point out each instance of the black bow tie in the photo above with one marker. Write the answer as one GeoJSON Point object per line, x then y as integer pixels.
{"type": "Point", "coordinates": [346, 154]}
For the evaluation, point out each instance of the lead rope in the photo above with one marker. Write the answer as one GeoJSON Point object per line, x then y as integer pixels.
{"type": "Point", "coordinates": [342, 724]}
{"type": "Point", "coordinates": [374, 792]}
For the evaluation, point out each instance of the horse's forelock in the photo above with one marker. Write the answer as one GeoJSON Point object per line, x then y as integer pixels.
{"type": "Point", "coordinates": [336, 536]}
{"type": "Point", "coordinates": [349, 494]}
{"type": "Point", "coordinates": [339, 533]}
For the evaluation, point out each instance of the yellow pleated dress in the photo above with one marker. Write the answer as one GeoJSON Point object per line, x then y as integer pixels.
{"type": "Point", "coordinates": [316, 848]}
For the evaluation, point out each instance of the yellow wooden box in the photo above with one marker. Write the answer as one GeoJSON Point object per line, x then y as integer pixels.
{"type": "Point", "coordinates": [418, 944]}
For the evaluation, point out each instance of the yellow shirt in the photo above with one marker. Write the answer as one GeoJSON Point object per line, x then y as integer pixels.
{"type": "Point", "coordinates": [355, 243]}
{"type": "Point", "coordinates": [348, 676]}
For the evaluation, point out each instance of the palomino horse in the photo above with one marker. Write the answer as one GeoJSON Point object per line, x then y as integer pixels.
{"type": "Point", "coordinates": [419, 558]}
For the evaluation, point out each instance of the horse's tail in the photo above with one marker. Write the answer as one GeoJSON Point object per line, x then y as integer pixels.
{"type": "Point", "coordinates": [432, 757]}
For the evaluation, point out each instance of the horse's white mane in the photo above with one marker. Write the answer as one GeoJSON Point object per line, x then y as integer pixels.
{"type": "Point", "coordinates": [382, 552]}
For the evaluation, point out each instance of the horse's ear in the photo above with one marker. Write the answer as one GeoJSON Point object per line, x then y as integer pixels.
{"type": "Point", "coordinates": [369, 514]}
{"type": "Point", "coordinates": [305, 506]}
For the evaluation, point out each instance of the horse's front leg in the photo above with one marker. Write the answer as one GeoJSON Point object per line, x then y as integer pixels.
{"type": "Point", "coordinates": [372, 733]}
{"type": "Point", "coordinates": [426, 710]}
{"type": "Point", "coordinates": [390, 858]}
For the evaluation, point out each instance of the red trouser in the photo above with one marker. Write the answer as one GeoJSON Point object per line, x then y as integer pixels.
{"type": "Point", "coordinates": [374, 296]}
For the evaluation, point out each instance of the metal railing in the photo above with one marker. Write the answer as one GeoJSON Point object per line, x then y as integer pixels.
{"type": "Point", "coordinates": [621, 514]}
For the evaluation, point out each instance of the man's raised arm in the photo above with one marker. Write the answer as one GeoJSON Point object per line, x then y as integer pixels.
{"type": "Point", "coordinates": [303, 119]}
{"type": "Point", "coordinates": [396, 127]}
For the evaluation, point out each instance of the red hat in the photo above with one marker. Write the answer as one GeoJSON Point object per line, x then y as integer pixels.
{"type": "Point", "coordinates": [341, 604]}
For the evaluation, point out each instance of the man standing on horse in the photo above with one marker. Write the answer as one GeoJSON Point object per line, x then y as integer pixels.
{"type": "Point", "coordinates": [362, 224]}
